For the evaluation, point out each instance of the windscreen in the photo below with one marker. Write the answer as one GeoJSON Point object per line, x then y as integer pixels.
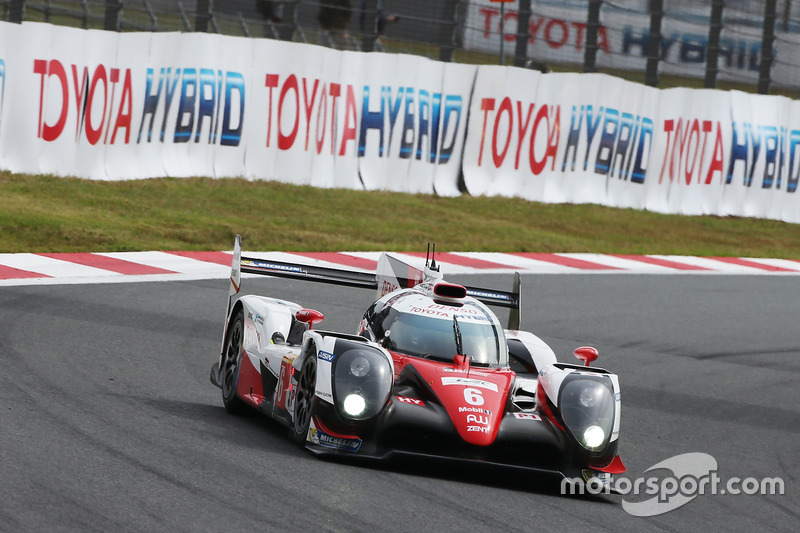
{"type": "Point", "coordinates": [425, 335]}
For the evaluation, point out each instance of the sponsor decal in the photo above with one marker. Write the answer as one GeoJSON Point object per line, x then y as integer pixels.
{"type": "Point", "coordinates": [527, 416]}
{"type": "Point", "coordinates": [412, 401]}
{"type": "Point", "coordinates": [270, 266]}
{"type": "Point", "coordinates": [318, 436]}
{"type": "Point", "coordinates": [478, 419]}
{"type": "Point", "coordinates": [474, 410]}
{"type": "Point", "coordinates": [470, 372]}
{"type": "Point", "coordinates": [425, 121]}
{"type": "Point", "coordinates": [595, 476]}
{"type": "Point", "coordinates": [479, 429]}
{"type": "Point", "coordinates": [617, 396]}
{"type": "Point", "coordinates": [467, 382]}
{"type": "Point", "coordinates": [101, 101]}
{"type": "Point", "coordinates": [387, 287]}
{"type": "Point", "coordinates": [486, 294]}
{"type": "Point", "coordinates": [325, 356]}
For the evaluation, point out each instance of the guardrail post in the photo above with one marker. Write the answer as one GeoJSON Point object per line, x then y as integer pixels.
{"type": "Point", "coordinates": [368, 24]}
{"type": "Point", "coordinates": [16, 11]}
{"type": "Point", "coordinates": [202, 16]}
{"type": "Point", "coordinates": [712, 52]}
{"type": "Point", "coordinates": [592, 26]}
{"type": "Point", "coordinates": [447, 30]}
{"type": "Point", "coordinates": [654, 43]}
{"type": "Point", "coordinates": [523, 34]}
{"type": "Point", "coordinates": [113, 12]}
{"type": "Point", "coordinates": [767, 42]}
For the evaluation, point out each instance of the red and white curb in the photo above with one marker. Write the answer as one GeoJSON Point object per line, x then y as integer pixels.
{"type": "Point", "coordinates": [123, 267]}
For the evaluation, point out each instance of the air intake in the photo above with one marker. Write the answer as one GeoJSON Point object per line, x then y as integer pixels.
{"type": "Point", "coordinates": [449, 290]}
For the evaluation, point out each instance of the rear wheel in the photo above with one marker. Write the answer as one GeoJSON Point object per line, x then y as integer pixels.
{"type": "Point", "coordinates": [304, 400]}
{"type": "Point", "coordinates": [231, 365]}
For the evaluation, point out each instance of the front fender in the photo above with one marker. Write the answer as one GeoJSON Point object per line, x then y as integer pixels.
{"type": "Point", "coordinates": [263, 317]}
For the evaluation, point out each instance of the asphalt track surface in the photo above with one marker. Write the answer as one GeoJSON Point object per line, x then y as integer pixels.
{"type": "Point", "coordinates": [108, 421]}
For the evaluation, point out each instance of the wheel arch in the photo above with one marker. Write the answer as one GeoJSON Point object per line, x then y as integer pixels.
{"type": "Point", "coordinates": [237, 306]}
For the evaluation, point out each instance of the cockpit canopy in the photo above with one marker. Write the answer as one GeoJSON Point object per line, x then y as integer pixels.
{"type": "Point", "coordinates": [415, 324]}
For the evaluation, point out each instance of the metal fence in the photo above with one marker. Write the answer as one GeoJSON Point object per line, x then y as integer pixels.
{"type": "Point", "coordinates": [747, 44]}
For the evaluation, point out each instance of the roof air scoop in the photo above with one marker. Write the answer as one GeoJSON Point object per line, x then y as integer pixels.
{"type": "Point", "coordinates": [450, 291]}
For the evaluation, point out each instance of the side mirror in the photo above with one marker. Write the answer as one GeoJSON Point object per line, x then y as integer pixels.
{"type": "Point", "coordinates": [309, 316]}
{"type": "Point", "coordinates": [587, 354]}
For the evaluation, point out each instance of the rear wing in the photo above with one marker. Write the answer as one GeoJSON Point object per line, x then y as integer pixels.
{"type": "Point", "coordinates": [392, 274]}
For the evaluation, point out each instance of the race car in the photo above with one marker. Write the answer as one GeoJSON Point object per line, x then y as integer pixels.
{"type": "Point", "coordinates": [430, 371]}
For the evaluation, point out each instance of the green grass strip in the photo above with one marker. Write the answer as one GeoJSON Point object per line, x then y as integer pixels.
{"type": "Point", "coordinates": [52, 214]}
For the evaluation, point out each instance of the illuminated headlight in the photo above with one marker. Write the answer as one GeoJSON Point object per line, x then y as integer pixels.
{"type": "Point", "coordinates": [593, 437]}
{"type": "Point", "coordinates": [587, 408]}
{"type": "Point", "coordinates": [354, 404]}
{"type": "Point", "coordinates": [362, 380]}
{"type": "Point", "coordinates": [359, 367]}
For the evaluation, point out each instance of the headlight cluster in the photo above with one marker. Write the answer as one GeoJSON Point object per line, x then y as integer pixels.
{"type": "Point", "coordinates": [362, 382]}
{"type": "Point", "coordinates": [587, 408]}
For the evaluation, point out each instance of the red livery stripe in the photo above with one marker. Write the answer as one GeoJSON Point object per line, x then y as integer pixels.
{"type": "Point", "coordinates": [107, 263]}
{"type": "Point", "coordinates": [565, 261]}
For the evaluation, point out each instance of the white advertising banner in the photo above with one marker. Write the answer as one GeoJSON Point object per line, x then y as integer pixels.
{"type": "Point", "coordinates": [687, 173]}
{"type": "Point", "coordinates": [557, 34]}
{"type": "Point", "coordinates": [559, 137]}
{"type": "Point", "coordinates": [104, 105]}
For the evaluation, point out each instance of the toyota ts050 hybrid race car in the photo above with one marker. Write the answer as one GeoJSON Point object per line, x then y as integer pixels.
{"type": "Point", "coordinates": [430, 371]}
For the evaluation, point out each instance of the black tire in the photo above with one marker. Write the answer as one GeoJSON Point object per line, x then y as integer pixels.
{"type": "Point", "coordinates": [305, 398]}
{"type": "Point", "coordinates": [231, 365]}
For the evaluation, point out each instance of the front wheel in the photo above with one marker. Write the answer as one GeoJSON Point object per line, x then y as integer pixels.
{"type": "Point", "coordinates": [231, 365]}
{"type": "Point", "coordinates": [304, 400]}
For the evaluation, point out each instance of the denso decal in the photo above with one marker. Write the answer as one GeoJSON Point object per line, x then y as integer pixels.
{"type": "Point", "coordinates": [467, 382]}
{"type": "Point", "coordinates": [329, 441]}
{"type": "Point", "coordinates": [527, 416]}
{"type": "Point", "coordinates": [325, 356]}
{"type": "Point", "coordinates": [412, 401]}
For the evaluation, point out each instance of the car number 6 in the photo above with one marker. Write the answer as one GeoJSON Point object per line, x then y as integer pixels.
{"type": "Point", "coordinates": [473, 396]}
